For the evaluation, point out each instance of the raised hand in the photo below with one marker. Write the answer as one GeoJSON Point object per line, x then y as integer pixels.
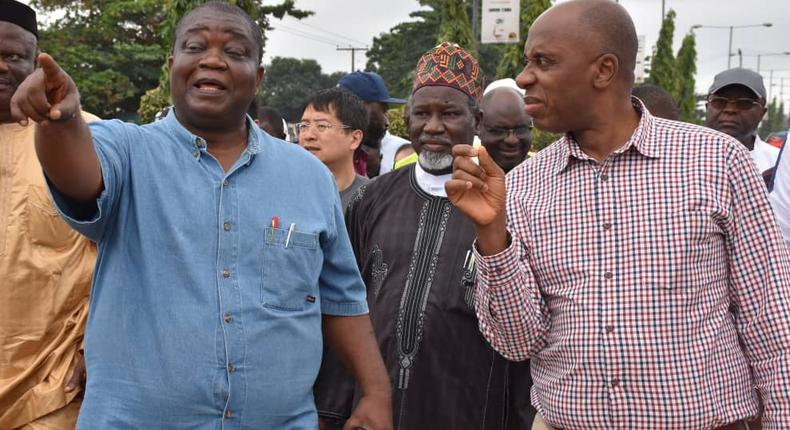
{"type": "Point", "coordinates": [47, 94]}
{"type": "Point", "coordinates": [478, 191]}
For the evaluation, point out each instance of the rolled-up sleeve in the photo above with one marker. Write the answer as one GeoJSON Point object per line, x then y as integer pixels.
{"type": "Point", "coordinates": [110, 141]}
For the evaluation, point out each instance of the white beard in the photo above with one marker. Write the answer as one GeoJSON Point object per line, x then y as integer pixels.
{"type": "Point", "coordinates": [433, 162]}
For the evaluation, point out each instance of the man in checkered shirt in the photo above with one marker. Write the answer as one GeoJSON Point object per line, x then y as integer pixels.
{"type": "Point", "coordinates": [636, 261]}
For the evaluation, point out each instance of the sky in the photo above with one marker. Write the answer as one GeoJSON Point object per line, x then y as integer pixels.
{"type": "Point", "coordinates": [347, 23]}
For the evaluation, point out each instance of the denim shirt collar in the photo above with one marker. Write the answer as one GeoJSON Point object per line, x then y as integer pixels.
{"type": "Point", "coordinates": [196, 144]}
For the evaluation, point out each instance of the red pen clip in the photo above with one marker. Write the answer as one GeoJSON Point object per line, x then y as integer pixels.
{"type": "Point", "coordinates": [275, 222]}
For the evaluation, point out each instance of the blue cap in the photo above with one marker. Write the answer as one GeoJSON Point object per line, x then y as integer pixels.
{"type": "Point", "coordinates": [368, 86]}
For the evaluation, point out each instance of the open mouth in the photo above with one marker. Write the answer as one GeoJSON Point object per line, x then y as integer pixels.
{"type": "Point", "coordinates": [209, 86]}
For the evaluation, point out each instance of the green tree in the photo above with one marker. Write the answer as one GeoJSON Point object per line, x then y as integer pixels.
{"type": "Point", "coordinates": [686, 71]}
{"type": "Point", "coordinates": [111, 48]}
{"type": "Point", "coordinates": [455, 25]}
{"type": "Point", "coordinates": [775, 119]}
{"type": "Point", "coordinates": [289, 82]}
{"type": "Point", "coordinates": [512, 60]}
{"type": "Point", "coordinates": [394, 54]}
{"type": "Point", "coordinates": [662, 64]}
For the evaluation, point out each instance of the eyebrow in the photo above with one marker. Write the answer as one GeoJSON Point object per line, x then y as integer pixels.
{"type": "Point", "coordinates": [200, 28]}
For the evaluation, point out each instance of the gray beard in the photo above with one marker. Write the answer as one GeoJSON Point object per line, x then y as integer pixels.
{"type": "Point", "coordinates": [433, 162]}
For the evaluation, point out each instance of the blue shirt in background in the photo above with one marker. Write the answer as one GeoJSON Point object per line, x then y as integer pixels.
{"type": "Point", "coordinates": [203, 315]}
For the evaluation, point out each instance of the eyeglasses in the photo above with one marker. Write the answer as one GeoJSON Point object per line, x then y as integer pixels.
{"type": "Point", "coordinates": [743, 103]}
{"type": "Point", "coordinates": [320, 127]}
{"type": "Point", "coordinates": [503, 133]}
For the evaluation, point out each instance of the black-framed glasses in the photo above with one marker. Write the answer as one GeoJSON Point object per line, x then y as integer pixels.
{"type": "Point", "coordinates": [743, 103]}
{"type": "Point", "coordinates": [320, 127]}
{"type": "Point", "coordinates": [503, 133]}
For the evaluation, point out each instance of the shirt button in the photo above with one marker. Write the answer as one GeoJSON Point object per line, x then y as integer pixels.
{"type": "Point", "coordinates": [226, 273]}
{"type": "Point", "coordinates": [609, 328]}
{"type": "Point", "coordinates": [228, 413]}
{"type": "Point", "coordinates": [226, 226]}
{"type": "Point", "coordinates": [607, 225]}
{"type": "Point", "coordinates": [227, 317]}
{"type": "Point", "coordinates": [615, 382]}
{"type": "Point", "coordinates": [231, 368]}
{"type": "Point", "coordinates": [225, 183]}
{"type": "Point", "coordinates": [196, 154]}
{"type": "Point", "coordinates": [604, 177]}
{"type": "Point", "coordinates": [607, 275]}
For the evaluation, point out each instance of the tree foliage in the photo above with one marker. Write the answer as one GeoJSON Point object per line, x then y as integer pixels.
{"type": "Point", "coordinates": [686, 72]}
{"type": "Point", "coordinates": [775, 119]}
{"type": "Point", "coordinates": [662, 65]}
{"type": "Point", "coordinates": [512, 61]}
{"type": "Point", "coordinates": [289, 82]}
{"type": "Point", "coordinates": [109, 47]}
{"type": "Point", "coordinates": [394, 54]}
{"type": "Point", "coordinates": [455, 25]}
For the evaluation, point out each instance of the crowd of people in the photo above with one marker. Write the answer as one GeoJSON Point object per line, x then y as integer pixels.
{"type": "Point", "coordinates": [203, 272]}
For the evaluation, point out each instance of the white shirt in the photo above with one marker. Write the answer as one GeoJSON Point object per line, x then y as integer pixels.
{"type": "Point", "coordinates": [389, 146]}
{"type": "Point", "coordinates": [764, 155]}
{"type": "Point", "coordinates": [431, 184]}
{"type": "Point", "coordinates": [780, 195]}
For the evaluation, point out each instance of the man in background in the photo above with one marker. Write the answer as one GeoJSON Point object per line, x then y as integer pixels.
{"type": "Point", "coordinates": [45, 266]}
{"type": "Point", "coordinates": [332, 128]}
{"type": "Point", "coordinates": [736, 105]}
{"type": "Point", "coordinates": [506, 129]}
{"type": "Point", "coordinates": [657, 101]}
{"type": "Point", "coordinates": [370, 87]}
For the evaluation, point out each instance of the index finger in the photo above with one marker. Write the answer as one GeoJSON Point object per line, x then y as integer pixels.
{"type": "Point", "coordinates": [49, 66]}
{"type": "Point", "coordinates": [464, 151]}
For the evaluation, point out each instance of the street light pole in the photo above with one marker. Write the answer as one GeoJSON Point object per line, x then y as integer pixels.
{"type": "Point", "coordinates": [731, 28]}
{"type": "Point", "coordinates": [729, 49]}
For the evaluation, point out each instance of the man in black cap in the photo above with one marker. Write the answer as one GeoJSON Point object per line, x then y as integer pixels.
{"type": "Point", "coordinates": [45, 266]}
{"type": "Point", "coordinates": [736, 105]}
{"type": "Point", "coordinates": [370, 87]}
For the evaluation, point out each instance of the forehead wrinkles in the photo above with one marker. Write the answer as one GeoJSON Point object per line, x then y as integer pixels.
{"type": "Point", "coordinates": [223, 23]}
{"type": "Point", "coordinates": [15, 36]}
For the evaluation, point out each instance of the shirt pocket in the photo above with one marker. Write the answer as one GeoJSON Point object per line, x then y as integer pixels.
{"type": "Point", "coordinates": [44, 226]}
{"type": "Point", "coordinates": [289, 274]}
{"type": "Point", "coordinates": [681, 250]}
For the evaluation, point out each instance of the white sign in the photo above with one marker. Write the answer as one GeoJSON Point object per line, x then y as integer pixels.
{"type": "Point", "coordinates": [639, 71]}
{"type": "Point", "coordinates": [500, 23]}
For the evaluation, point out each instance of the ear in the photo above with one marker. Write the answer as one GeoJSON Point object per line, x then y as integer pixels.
{"type": "Point", "coordinates": [606, 67]}
{"type": "Point", "coordinates": [169, 63]}
{"type": "Point", "coordinates": [356, 139]}
{"type": "Point", "coordinates": [259, 77]}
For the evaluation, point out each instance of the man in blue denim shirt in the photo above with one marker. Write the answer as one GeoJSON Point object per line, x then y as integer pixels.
{"type": "Point", "coordinates": [222, 251]}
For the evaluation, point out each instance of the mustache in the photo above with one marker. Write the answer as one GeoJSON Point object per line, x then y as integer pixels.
{"type": "Point", "coordinates": [423, 139]}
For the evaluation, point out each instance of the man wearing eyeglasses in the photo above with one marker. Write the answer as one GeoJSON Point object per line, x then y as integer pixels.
{"type": "Point", "coordinates": [506, 129]}
{"type": "Point", "coordinates": [736, 104]}
{"type": "Point", "coordinates": [332, 129]}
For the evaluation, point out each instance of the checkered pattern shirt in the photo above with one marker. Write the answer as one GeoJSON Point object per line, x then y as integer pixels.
{"type": "Point", "coordinates": [650, 290]}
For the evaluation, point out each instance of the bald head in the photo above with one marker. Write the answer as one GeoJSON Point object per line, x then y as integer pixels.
{"type": "Point", "coordinates": [605, 24]}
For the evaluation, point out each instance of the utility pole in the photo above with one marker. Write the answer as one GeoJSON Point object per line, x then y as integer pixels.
{"type": "Point", "coordinates": [353, 51]}
{"type": "Point", "coordinates": [476, 23]}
